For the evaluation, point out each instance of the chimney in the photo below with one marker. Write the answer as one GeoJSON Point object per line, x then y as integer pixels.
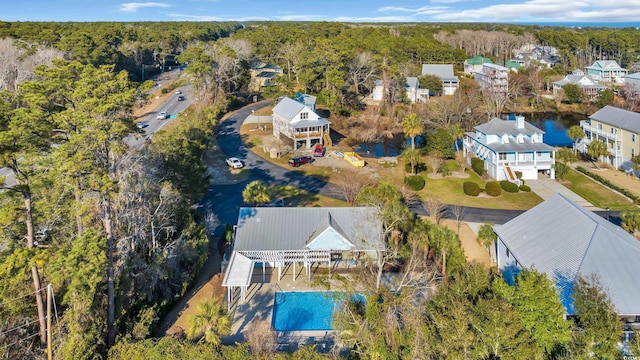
{"type": "Point", "coordinates": [520, 121]}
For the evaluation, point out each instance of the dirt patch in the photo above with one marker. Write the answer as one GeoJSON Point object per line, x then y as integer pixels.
{"type": "Point", "coordinates": [468, 240]}
{"type": "Point", "coordinates": [455, 174]}
{"type": "Point", "coordinates": [626, 181]}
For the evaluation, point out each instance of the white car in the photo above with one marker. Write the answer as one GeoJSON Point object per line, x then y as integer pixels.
{"type": "Point", "coordinates": [234, 163]}
{"type": "Point", "coordinates": [163, 115]}
{"type": "Point", "coordinates": [178, 92]}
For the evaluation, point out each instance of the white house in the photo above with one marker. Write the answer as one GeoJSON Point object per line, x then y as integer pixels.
{"type": "Point", "coordinates": [493, 78]}
{"type": "Point", "coordinates": [564, 240]}
{"type": "Point", "coordinates": [607, 70]}
{"type": "Point", "coordinates": [299, 123]}
{"type": "Point", "coordinates": [277, 237]}
{"type": "Point", "coordinates": [412, 90]}
{"type": "Point", "coordinates": [450, 82]}
{"type": "Point", "coordinates": [507, 146]}
{"type": "Point", "coordinates": [587, 84]}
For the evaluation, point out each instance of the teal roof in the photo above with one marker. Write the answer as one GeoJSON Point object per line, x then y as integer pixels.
{"type": "Point", "coordinates": [478, 60]}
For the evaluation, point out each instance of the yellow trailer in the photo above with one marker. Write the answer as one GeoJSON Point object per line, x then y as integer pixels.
{"type": "Point", "coordinates": [354, 159]}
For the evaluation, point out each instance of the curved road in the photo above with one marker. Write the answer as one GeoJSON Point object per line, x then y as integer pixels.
{"type": "Point", "coordinates": [225, 199]}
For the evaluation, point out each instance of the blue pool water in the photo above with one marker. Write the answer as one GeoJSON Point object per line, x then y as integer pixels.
{"type": "Point", "coordinates": [305, 310]}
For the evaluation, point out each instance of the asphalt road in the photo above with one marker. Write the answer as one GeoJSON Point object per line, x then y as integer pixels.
{"type": "Point", "coordinates": [224, 200]}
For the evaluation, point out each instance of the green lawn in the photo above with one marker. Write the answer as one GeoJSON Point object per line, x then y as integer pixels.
{"type": "Point", "coordinates": [449, 191]}
{"type": "Point", "coordinates": [596, 194]}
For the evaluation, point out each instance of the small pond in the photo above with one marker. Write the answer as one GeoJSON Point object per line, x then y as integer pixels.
{"type": "Point", "coordinates": [554, 125]}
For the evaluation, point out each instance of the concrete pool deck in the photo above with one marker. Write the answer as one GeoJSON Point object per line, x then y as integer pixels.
{"type": "Point", "coordinates": [259, 303]}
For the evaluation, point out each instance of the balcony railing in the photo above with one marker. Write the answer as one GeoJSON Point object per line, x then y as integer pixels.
{"type": "Point", "coordinates": [586, 126]}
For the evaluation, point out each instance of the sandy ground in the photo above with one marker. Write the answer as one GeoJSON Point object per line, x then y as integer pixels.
{"type": "Point", "coordinates": [629, 182]}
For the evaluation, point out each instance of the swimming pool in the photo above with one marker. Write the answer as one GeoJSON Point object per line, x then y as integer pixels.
{"type": "Point", "coordinates": [304, 310]}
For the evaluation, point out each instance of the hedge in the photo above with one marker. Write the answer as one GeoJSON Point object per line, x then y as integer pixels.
{"type": "Point", "coordinates": [477, 165]}
{"type": "Point", "coordinates": [525, 188]}
{"type": "Point", "coordinates": [415, 182]}
{"type": "Point", "coordinates": [493, 188]}
{"type": "Point", "coordinates": [508, 186]}
{"type": "Point", "coordinates": [609, 184]}
{"type": "Point", "coordinates": [471, 188]}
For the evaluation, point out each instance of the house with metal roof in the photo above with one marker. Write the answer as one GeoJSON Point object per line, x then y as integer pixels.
{"type": "Point", "coordinates": [589, 86]}
{"type": "Point", "coordinates": [493, 78]}
{"type": "Point", "coordinates": [632, 81]}
{"type": "Point", "coordinates": [474, 64]}
{"type": "Point", "coordinates": [412, 90]}
{"type": "Point", "coordinates": [564, 240]}
{"type": "Point", "coordinates": [509, 146]}
{"type": "Point", "coordinates": [450, 82]}
{"type": "Point", "coordinates": [619, 129]}
{"type": "Point", "coordinates": [298, 122]}
{"type": "Point", "coordinates": [262, 75]}
{"type": "Point", "coordinates": [607, 70]}
{"type": "Point", "coordinates": [277, 237]}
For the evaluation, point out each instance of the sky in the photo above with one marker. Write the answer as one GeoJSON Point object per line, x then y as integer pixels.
{"type": "Point", "coordinates": [583, 12]}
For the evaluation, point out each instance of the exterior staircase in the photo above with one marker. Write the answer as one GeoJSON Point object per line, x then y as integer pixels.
{"type": "Point", "coordinates": [327, 139]}
{"type": "Point", "coordinates": [511, 176]}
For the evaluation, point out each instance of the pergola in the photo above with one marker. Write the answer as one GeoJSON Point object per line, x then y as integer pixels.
{"type": "Point", "coordinates": [277, 237]}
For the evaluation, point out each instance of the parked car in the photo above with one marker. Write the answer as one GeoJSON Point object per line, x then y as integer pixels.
{"type": "Point", "coordinates": [163, 115]}
{"type": "Point", "coordinates": [180, 97]}
{"type": "Point", "coordinates": [234, 163]}
{"type": "Point", "coordinates": [318, 150]}
{"type": "Point", "coordinates": [300, 160]}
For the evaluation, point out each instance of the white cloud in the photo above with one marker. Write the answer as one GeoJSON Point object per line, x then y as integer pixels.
{"type": "Point", "coordinates": [548, 10]}
{"type": "Point", "coordinates": [404, 9]}
{"type": "Point", "coordinates": [134, 7]}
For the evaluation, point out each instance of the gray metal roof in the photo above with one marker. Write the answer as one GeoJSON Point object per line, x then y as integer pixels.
{"type": "Point", "coordinates": [525, 146]}
{"type": "Point", "coordinates": [289, 228]}
{"type": "Point", "coordinates": [563, 240]}
{"type": "Point", "coordinates": [576, 78]}
{"type": "Point", "coordinates": [288, 108]}
{"type": "Point", "coordinates": [635, 76]}
{"type": "Point", "coordinates": [624, 119]}
{"type": "Point", "coordinates": [412, 82]}
{"type": "Point", "coordinates": [443, 71]}
{"type": "Point", "coordinates": [605, 64]}
{"type": "Point", "coordinates": [500, 127]}
{"type": "Point", "coordinates": [310, 123]}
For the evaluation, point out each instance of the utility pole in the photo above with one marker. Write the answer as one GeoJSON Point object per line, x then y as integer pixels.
{"type": "Point", "coordinates": [49, 296]}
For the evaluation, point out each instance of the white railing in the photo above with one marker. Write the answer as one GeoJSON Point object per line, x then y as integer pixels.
{"type": "Point", "coordinates": [586, 126]}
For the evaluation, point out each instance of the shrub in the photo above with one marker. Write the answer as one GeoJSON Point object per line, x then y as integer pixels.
{"type": "Point", "coordinates": [164, 91]}
{"type": "Point", "coordinates": [415, 182]}
{"type": "Point", "coordinates": [471, 188]}
{"type": "Point", "coordinates": [419, 167]}
{"type": "Point", "coordinates": [525, 188]}
{"type": "Point", "coordinates": [519, 174]}
{"type": "Point", "coordinates": [477, 165]}
{"type": "Point", "coordinates": [509, 186]}
{"type": "Point", "coordinates": [493, 188]}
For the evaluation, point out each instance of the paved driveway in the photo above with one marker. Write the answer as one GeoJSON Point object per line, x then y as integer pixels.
{"type": "Point", "coordinates": [546, 188]}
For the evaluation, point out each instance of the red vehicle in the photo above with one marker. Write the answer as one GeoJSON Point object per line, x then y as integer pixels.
{"type": "Point", "coordinates": [318, 151]}
{"type": "Point", "coordinates": [300, 160]}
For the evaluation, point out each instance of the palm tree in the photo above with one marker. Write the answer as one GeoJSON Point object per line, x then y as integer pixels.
{"type": "Point", "coordinates": [256, 193]}
{"type": "Point", "coordinates": [412, 127]}
{"type": "Point", "coordinates": [486, 237]}
{"type": "Point", "coordinates": [457, 132]}
{"type": "Point", "coordinates": [598, 149]}
{"type": "Point", "coordinates": [209, 323]}
{"type": "Point", "coordinates": [413, 156]}
{"type": "Point", "coordinates": [575, 133]}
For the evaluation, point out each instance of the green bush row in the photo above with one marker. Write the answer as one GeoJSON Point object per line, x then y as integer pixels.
{"type": "Point", "coordinates": [609, 184]}
{"type": "Point", "coordinates": [508, 186]}
{"type": "Point", "coordinates": [415, 182]}
{"type": "Point", "coordinates": [525, 188]}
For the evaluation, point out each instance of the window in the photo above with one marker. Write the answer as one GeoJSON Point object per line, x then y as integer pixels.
{"type": "Point", "coordinates": [599, 126]}
{"type": "Point", "coordinates": [502, 156]}
{"type": "Point", "coordinates": [304, 116]}
{"type": "Point", "coordinates": [508, 253]}
{"type": "Point", "coordinates": [633, 152]}
{"type": "Point", "coordinates": [633, 137]}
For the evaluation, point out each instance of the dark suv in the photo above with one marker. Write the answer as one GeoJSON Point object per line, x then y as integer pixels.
{"type": "Point", "coordinates": [300, 160]}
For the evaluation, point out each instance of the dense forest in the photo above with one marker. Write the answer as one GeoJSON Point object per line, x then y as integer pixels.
{"type": "Point", "coordinates": [113, 231]}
